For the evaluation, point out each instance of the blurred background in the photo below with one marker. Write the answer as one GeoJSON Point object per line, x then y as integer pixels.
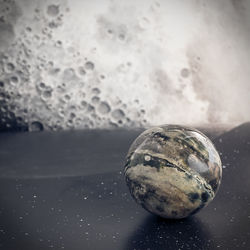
{"type": "Point", "coordinates": [105, 64]}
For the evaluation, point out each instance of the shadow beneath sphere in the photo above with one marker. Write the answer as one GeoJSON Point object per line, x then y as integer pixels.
{"type": "Point", "coordinates": [158, 233]}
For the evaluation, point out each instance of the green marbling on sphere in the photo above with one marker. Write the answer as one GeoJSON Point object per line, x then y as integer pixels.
{"type": "Point", "coordinates": [173, 171]}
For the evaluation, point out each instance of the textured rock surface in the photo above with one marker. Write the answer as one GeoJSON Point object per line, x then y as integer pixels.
{"type": "Point", "coordinates": [103, 64]}
{"type": "Point", "coordinates": [173, 171]}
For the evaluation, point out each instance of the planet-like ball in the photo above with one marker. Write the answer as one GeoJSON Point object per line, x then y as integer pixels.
{"type": "Point", "coordinates": [173, 171]}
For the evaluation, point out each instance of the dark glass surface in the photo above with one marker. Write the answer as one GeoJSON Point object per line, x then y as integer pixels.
{"type": "Point", "coordinates": [67, 191]}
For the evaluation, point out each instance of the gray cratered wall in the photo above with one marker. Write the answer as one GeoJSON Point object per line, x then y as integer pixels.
{"type": "Point", "coordinates": [103, 64]}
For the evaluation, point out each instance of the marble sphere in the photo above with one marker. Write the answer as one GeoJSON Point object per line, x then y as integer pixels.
{"type": "Point", "coordinates": [173, 171]}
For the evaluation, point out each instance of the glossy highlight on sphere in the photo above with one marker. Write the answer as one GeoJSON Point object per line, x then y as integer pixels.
{"type": "Point", "coordinates": [173, 171]}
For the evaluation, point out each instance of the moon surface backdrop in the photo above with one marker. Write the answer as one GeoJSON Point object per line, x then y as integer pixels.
{"type": "Point", "coordinates": [104, 64]}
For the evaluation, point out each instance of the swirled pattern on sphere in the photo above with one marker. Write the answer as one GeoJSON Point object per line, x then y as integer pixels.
{"type": "Point", "coordinates": [173, 171]}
